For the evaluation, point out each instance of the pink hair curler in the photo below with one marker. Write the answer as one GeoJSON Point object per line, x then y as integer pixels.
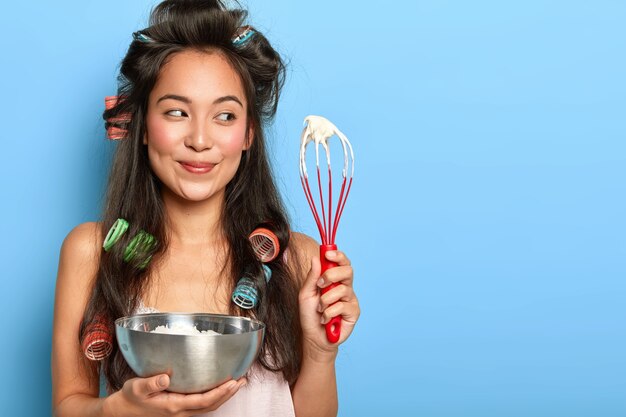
{"type": "Point", "coordinates": [98, 341]}
{"type": "Point", "coordinates": [114, 131]}
{"type": "Point", "coordinates": [265, 244]}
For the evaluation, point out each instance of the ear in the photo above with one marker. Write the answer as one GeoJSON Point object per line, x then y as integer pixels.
{"type": "Point", "coordinates": [249, 137]}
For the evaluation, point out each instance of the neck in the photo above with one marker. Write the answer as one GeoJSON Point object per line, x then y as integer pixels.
{"type": "Point", "coordinates": [194, 223]}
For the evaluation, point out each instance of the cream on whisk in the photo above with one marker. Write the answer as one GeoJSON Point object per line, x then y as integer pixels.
{"type": "Point", "coordinates": [319, 129]}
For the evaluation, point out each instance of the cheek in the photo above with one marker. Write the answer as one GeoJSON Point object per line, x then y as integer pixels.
{"type": "Point", "coordinates": [234, 140]}
{"type": "Point", "coordinates": [160, 134]}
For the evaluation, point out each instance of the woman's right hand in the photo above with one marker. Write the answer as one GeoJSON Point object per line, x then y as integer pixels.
{"type": "Point", "coordinates": [147, 396]}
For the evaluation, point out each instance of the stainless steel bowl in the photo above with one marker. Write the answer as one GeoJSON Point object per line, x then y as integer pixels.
{"type": "Point", "coordinates": [195, 363]}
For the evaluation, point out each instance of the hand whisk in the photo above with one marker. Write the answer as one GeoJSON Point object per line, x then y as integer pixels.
{"type": "Point", "coordinates": [318, 130]}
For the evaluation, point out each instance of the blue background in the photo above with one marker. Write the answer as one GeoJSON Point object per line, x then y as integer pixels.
{"type": "Point", "coordinates": [487, 223]}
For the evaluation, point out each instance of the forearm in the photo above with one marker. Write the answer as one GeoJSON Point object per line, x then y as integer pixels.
{"type": "Point", "coordinates": [81, 405]}
{"type": "Point", "coordinates": [315, 391]}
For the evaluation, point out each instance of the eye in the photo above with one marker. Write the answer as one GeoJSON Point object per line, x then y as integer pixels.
{"type": "Point", "coordinates": [176, 113]}
{"type": "Point", "coordinates": [226, 117]}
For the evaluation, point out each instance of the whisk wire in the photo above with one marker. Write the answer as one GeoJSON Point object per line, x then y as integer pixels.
{"type": "Point", "coordinates": [344, 142]}
{"type": "Point", "coordinates": [329, 230]}
{"type": "Point", "coordinates": [342, 204]}
{"type": "Point", "coordinates": [338, 210]}
{"type": "Point", "coordinates": [319, 183]}
{"type": "Point", "coordinates": [311, 201]}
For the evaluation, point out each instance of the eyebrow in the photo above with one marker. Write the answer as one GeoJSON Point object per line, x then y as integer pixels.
{"type": "Point", "coordinates": [228, 98]}
{"type": "Point", "coordinates": [188, 100]}
{"type": "Point", "coordinates": [174, 97]}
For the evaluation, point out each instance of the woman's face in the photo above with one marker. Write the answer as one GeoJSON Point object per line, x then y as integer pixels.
{"type": "Point", "coordinates": [196, 124]}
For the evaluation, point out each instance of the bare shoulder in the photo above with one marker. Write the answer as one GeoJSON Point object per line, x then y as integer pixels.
{"type": "Point", "coordinates": [302, 248]}
{"type": "Point", "coordinates": [80, 253]}
{"type": "Point", "coordinates": [83, 239]}
{"type": "Point", "coordinates": [304, 244]}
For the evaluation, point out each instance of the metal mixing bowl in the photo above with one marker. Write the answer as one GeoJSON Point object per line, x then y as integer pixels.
{"type": "Point", "coordinates": [195, 363]}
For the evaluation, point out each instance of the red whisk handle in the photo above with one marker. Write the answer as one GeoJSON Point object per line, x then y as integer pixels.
{"type": "Point", "coordinates": [326, 264]}
{"type": "Point", "coordinates": [333, 327]}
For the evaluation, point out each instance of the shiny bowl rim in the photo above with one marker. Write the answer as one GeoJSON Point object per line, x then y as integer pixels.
{"type": "Point", "coordinates": [261, 325]}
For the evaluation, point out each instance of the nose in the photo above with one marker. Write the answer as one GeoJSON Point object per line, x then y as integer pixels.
{"type": "Point", "coordinates": [199, 137]}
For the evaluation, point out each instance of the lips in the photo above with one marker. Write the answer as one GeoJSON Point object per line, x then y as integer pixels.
{"type": "Point", "coordinates": [197, 167]}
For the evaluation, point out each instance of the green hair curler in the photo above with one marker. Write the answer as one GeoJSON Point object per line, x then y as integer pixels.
{"type": "Point", "coordinates": [115, 233]}
{"type": "Point", "coordinates": [142, 243]}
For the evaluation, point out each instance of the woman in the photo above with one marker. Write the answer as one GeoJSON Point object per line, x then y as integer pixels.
{"type": "Point", "coordinates": [190, 170]}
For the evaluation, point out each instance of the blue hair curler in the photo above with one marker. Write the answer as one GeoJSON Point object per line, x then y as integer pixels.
{"type": "Point", "coordinates": [138, 36]}
{"type": "Point", "coordinates": [246, 294]}
{"type": "Point", "coordinates": [243, 36]}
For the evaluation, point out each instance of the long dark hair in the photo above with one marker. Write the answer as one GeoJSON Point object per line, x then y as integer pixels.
{"type": "Point", "coordinates": [251, 197]}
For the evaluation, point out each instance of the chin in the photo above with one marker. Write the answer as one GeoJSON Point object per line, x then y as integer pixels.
{"type": "Point", "coordinates": [196, 194]}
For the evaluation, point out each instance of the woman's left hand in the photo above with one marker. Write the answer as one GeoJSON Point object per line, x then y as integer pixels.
{"type": "Point", "coordinates": [316, 309]}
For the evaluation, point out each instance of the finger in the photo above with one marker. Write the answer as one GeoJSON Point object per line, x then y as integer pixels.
{"type": "Point", "coordinates": [339, 293]}
{"type": "Point", "coordinates": [213, 398]}
{"type": "Point", "coordinates": [309, 287]}
{"type": "Point", "coordinates": [337, 257]}
{"type": "Point", "coordinates": [339, 274]}
{"type": "Point", "coordinates": [227, 397]}
{"type": "Point", "coordinates": [349, 311]}
{"type": "Point", "coordinates": [146, 387]}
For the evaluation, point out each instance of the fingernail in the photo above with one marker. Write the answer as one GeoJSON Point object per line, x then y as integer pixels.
{"type": "Point", "coordinates": [323, 320]}
{"type": "Point", "coordinates": [162, 381]}
{"type": "Point", "coordinates": [320, 282]}
{"type": "Point", "coordinates": [231, 384]}
{"type": "Point", "coordinates": [331, 253]}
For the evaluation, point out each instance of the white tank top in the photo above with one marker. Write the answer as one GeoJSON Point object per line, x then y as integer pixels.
{"type": "Point", "coordinates": [266, 394]}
